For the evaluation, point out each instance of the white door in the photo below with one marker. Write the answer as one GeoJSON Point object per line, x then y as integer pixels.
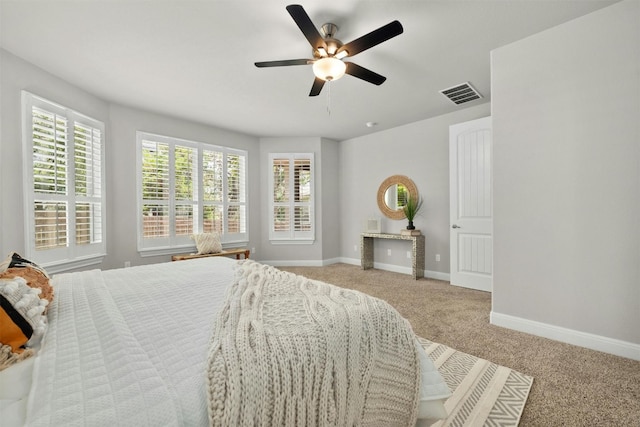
{"type": "Point", "coordinates": [471, 216]}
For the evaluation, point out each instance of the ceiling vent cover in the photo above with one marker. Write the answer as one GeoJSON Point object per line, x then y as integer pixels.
{"type": "Point", "coordinates": [459, 94]}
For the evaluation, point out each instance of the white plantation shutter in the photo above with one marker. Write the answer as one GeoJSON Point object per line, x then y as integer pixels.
{"type": "Point", "coordinates": [281, 201]}
{"type": "Point", "coordinates": [88, 183]}
{"type": "Point", "coordinates": [49, 138]}
{"type": "Point", "coordinates": [88, 157]}
{"type": "Point", "coordinates": [50, 224]}
{"type": "Point", "coordinates": [155, 190]}
{"type": "Point", "coordinates": [302, 191]}
{"type": "Point", "coordinates": [49, 164]}
{"type": "Point", "coordinates": [291, 202]}
{"type": "Point", "coordinates": [236, 197]}
{"type": "Point", "coordinates": [213, 192]}
{"type": "Point", "coordinates": [186, 188]}
{"type": "Point", "coordinates": [64, 154]}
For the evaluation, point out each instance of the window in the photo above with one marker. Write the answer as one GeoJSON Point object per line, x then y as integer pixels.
{"type": "Point", "coordinates": [291, 210]}
{"type": "Point", "coordinates": [64, 176]}
{"type": "Point", "coordinates": [187, 187]}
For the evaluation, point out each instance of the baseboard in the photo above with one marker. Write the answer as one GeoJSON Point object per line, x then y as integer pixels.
{"type": "Point", "coordinates": [438, 275]}
{"type": "Point", "coordinates": [302, 263]}
{"type": "Point", "coordinates": [331, 261]}
{"type": "Point", "coordinates": [352, 261]}
{"type": "Point", "coordinates": [398, 269]}
{"type": "Point", "coordinates": [308, 263]}
{"type": "Point", "coordinates": [569, 336]}
{"type": "Point", "coordinates": [294, 263]}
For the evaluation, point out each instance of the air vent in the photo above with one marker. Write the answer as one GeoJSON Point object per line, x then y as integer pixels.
{"type": "Point", "coordinates": [461, 93]}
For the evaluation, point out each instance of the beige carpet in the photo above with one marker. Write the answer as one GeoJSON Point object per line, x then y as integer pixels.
{"type": "Point", "coordinates": [573, 386]}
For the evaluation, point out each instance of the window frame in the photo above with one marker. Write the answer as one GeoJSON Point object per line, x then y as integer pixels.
{"type": "Point", "coordinates": [291, 236]}
{"type": "Point", "coordinates": [183, 243]}
{"type": "Point", "coordinates": [72, 255]}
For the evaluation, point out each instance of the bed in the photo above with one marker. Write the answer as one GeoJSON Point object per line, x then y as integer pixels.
{"type": "Point", "coordinates": [135, 347]}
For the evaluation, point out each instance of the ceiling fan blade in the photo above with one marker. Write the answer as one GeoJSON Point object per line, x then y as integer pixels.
{"type": "Point", "coordinates": [283, 63]}
{"type": "Point", "coordinates": [373, 38]}
{"type": "Point", "coordinates": [362, 73]}
{"type": "Point", "coordinates": [317, 87]}
{"type": "Point", "coordinates": [306, 26]}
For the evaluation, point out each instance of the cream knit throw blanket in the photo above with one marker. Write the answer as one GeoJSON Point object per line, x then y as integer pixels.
{"type": "Point", "coordinates": [290, 351]}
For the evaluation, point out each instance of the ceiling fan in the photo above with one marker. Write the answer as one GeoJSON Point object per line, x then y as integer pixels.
{"type": "Point", "coordinates": [329, 52]}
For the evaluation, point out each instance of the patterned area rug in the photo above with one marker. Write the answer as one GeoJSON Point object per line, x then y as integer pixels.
{"type": "Point", "coordinates": [484, 394]}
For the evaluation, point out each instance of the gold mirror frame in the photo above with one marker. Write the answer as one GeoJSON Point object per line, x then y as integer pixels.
{"type": "Point", "coordinates": [393, 180]}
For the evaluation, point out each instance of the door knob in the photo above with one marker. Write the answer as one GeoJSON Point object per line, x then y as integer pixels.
{"type": "Point", "coordinates": [455, 226]}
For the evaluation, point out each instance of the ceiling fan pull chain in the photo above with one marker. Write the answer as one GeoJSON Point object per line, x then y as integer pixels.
{"type": "Point", "coordinates": [329, 97]}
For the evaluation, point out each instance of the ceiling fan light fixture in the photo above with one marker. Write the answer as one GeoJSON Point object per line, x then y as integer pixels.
{"type": "Point", "coordinates": [332, 48]}
{"type": "Point", "coordinates": [329, 69]}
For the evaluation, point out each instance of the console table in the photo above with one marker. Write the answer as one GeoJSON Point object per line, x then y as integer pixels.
{"type": "Point", "coordinates": [417, 256]}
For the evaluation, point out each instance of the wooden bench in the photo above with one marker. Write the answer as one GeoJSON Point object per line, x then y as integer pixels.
{"type": "Point", "coordinates": [225, 252]}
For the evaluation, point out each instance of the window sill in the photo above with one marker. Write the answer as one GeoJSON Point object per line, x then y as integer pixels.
{"type": "Point", "coordinates": [173, 250]}
{"type": "Point", "coordinates": [66, 265]}
{"type": "Point", "coordinates": [293, 242]}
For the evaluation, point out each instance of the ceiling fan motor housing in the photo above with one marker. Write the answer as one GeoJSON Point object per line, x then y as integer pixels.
{"type": "Point", "coordinates": [329, 30]}
{"type": "Point", "coordinates": [332, 44]}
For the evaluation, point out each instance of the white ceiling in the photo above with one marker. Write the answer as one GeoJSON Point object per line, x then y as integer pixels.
{"type": "Point", "coordinates": [194, 59]}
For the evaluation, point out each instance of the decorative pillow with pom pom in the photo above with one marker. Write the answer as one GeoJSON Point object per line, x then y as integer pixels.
{"type": "Point", "coordinates": [207, 243]}
{"type": "Point", "coordinates": [16, 266]}
{"type": "Point", "coordinates": [21, 319]}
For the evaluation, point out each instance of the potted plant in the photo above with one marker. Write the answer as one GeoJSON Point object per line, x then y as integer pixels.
{"type": "Point", "coordinates": [411, 209]}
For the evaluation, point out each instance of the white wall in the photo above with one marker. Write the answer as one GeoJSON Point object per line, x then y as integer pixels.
{"type": "Point", "coordinates": [331, 220]}
{"type": "Point", "coordinates": [418, 150]}
{"type": "Point", "coordinates": [566, 108]}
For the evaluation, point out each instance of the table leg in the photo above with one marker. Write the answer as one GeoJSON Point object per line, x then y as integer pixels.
{"type": "Point", "coordinates": [366, 252]}
{"type": "Point", "coordinates": [418, 257]}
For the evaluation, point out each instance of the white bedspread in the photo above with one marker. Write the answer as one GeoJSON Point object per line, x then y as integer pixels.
{"type": "Point", "coordinates": [128, 347]}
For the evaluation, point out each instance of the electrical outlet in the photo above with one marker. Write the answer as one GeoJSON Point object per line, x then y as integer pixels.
{"type": "Point", "coordinates": [253, 251]}
{"type": "Point", "coordinates": [127, 264]}
{"type": "Point", "coordinates": [409, 254]}
{"type": "Point", "coordinates": [355, 248]}
{"type": "Point", "coordinates": [437, 257]}
{"type": "Point", "coordinates": [389, 252]}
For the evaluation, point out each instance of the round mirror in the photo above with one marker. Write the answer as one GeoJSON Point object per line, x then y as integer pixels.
{"type": "Point", "coordinates": [395, 197]}
{"type": "Point", "coordinates": [393, 194]}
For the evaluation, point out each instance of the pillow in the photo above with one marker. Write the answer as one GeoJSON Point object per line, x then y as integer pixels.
{"type": "Point", "coordinates": [21, 319]}
{"type": "Point", "coordinates": [15, 260]}
{"type": "Point", "coordinates": [433, 391]}
{"type": "Point", "coordinates": [207, 243]}
{"type": "Point", "coordinates": [16, 266]}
